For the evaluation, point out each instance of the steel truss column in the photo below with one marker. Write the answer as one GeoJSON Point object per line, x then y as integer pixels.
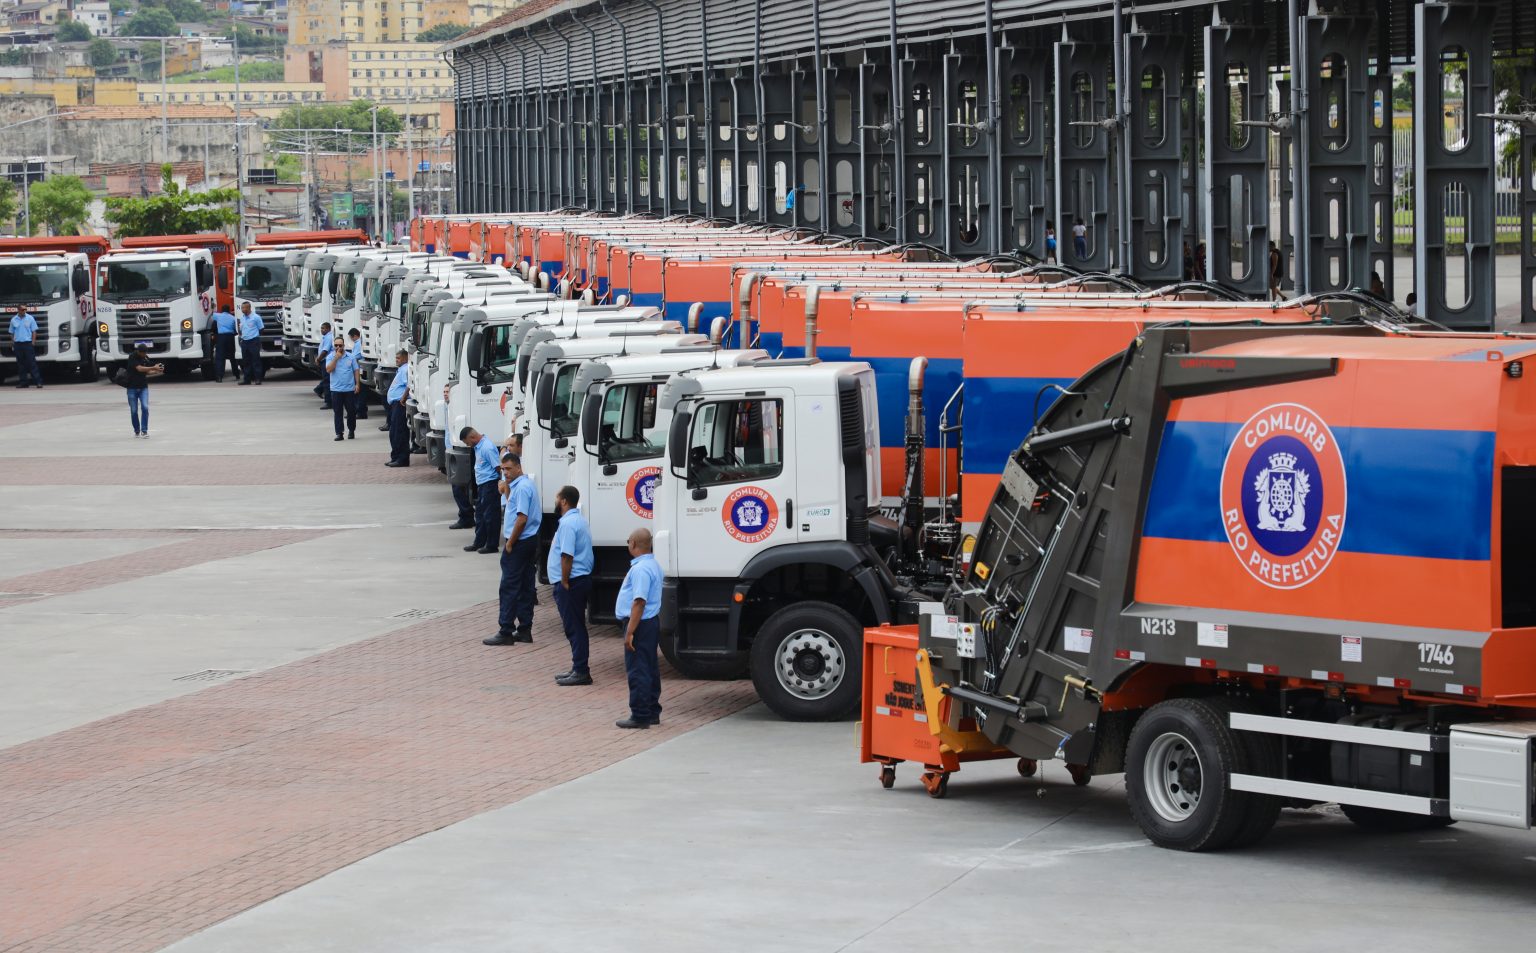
{"type": "Point", "coordinates": [968, 178]}
{"type": "Point", "coordinates": [843, 145]}
{"type": "Point", "coordinates": [899, 95]}
{"type": "Point", "coordinates": [1084, 154]}
{"type": "Point", "coordinates": [1379, 223]}
{"type": "Point", "coordinates": [1025, 202]}
{"type": "Point", "coordinates": [570, 193]}
{"type": "Point", "coordinates": [1236, 158]}
{"type": "Point", "coordinates": [1190, 166]}
{"type": "Point", "coordinates": [505, 153]}
{"type": "Point", "coordinates": [1528, 199]}
{"type": "Point", "coordinates": [877, 140]}
{"type": "Point", "coordinates": [1454, 181]}
{"type": "Point", "coordinates": [782, 135]}
{"type": "Point", "coordinates": [537, 125]}
{"type": "Point", "coordinates": [1285, 171]}
{"type": "Point", "coordinates": [924, 150]}
{"type": "Point", "coordinates": [593, 131]}
{"type": "Point", "coordinates": [1153, 139]}
{"type": "Point", "coordinates": [1334, 67]}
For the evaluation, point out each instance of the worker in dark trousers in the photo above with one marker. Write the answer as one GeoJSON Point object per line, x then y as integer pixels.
{"type": "Point", "coordinates": [250, 344]}
{"type": "Point", "coordinates": [570, 576]}
{"type": "Point", "coordinates": [24, 345]}
{"type": "Point", "coordinates": [323, 389]}
{"type": "Point", "coordinates": [399, 435]}
{"type": "Point", "coordinates": [224, 328]}
{"type": "Point", "coordinates": [487, 499]}
{"type": "Point", "coordinates": [638, 608]}
{"type": "Point", "coordinates": [355, 344]}
{"type": "Point", "coordinates": [521, 517]}
{"type": "Point", "coordinates": [343, 372]}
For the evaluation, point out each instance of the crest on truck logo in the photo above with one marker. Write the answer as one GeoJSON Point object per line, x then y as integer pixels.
{"type": "Point", "coordinates": [640, 493]}
{"type": "Point", "coordinates": [1284, 495]}
{"type": "Point", "coordinates": [750, 514]}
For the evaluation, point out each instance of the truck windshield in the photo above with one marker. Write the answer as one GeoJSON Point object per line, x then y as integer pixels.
{"type": "Point", "coordinates": [36, 283]}
{"type": "Point", "coordinates": [628, 430]}
{"type": "Point", "coordinates": [567, 409]}
{"type": "Point", "coordinates": [260, 279]}
{"type": "Point", "coordinates": [736, 440]}
{"type": "Point", "coordinates": [124, 280]}
{"type": "Point", "coordinates": [295, 285]}
{"type": "Point", "coordinates": [346, 291]}
{"type": "Point", "coordinates": [500, 355]}
{"type": "Point", "coordinates": [314, 281]}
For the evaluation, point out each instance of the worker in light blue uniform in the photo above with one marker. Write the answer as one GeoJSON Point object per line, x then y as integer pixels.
{"type": "Point", "coordinates": [570, 578]}
{"type": "Point", "coordinates": [521, 517]}
{"type": "Point", "coordinates": [487, 498]}
{"type": "Point", "coordinates": [355, 343]}
{"type": "Point", "coordinates": [24, 346]}
{"type": "Point", "coordinates": [638, 608]}
{"type": "Point", "coordinates": [327, 341]}
{"type": "Point", "coordinates": [250, 344]}
{"type": "Point", "coordinates": [225, 326]}
{"type": "Point", "coordinates": [342, 371]}
{"type": "Point", "coordinates": [399, 435]}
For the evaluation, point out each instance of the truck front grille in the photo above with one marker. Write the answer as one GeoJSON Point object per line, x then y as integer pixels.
{"type": "Point", "coordinates": [145, 324]}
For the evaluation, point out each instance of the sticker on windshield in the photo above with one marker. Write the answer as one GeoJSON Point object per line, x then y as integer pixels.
{"type": "Point", "coordinates": [750, 514]}
{"type": "Point", "coordinates": [640, 493]}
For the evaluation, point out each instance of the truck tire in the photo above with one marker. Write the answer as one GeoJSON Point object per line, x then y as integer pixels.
{"type": "Point", "coordinates": [1379, 821]}
{"type": "Point", "coordinates": [1263, 758]}
{"type": "Point", "coordinates": [721, 670]}
{"type": "Point", "coordinates": [1179, 762]}
{"type": "Point", "coordinates": [87, 370]}
{"type": "Point", "coordinates": [806, 662]}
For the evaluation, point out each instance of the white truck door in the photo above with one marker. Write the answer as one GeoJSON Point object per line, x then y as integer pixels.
{"type": "Point", "coordinates": [740, 495]}
{"type": "Point", "coordinates": [627, 469]}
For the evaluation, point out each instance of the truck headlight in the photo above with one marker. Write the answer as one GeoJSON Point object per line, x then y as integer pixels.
{"type": "Point", "coordinates": [186, 342]}
{"type": "Point", "coordinates": [186, 324]}
{"type": "Point", "coordinates": [64, 345]}
{"type": "Point", "coordinates": [102, 328]}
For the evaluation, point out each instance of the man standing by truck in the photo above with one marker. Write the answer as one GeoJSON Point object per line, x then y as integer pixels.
{"type": "Point", "coordinates": [521, 518]}
{"type": "Point", "coordinates": [570, 576]}
{"type": "Point", "coordinates": [23, 340]}
{"type": "Point", "coordinates": [323, 389]}
{"type": "Point", "coordinates": [355, 345]}
{"type": "Point", "coordinates": [343, 375]}
{"type": "Point", "coordinates": [487, 500]}
{"type": "Point", "coordinates": [399, 435]}
{"type": "Point", "coordinates": [638, 608]}
{"type": "Point", "coordinates": [250, 344]}
{"type": "Point", "coordinates": [224, 337]}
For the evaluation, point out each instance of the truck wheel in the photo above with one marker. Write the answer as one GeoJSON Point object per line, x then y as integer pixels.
{"type": "Point", "coordinates": [1379, 821]}
{"type": "Point", "coordinates": [725, 669]}
{"type": "Point", "coordinates": [1262, 757]}
{"type": "Point", "coordinates": [805, 662]}
{"type": "Point", "coordinates": [205, 370]}
{"type": "Point", "coordinates": [1181, 757]}
{"type": "Point", "coordinates": [87, 370]}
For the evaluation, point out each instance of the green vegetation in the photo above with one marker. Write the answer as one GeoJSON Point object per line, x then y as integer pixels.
{"type": "Point", "coordinates": [175, 211]}
{"type": "Point", "coordinates": [249, 73]}
{"type": "Point", "coordinates": [289, 167]}
{"type": "Point", "coordinates": [59, 203]}
{"type": "Point", "coordinates": [150, 21]}
{"type": "Point", "coordinates": [354, 116]}
{"type": "Point", "coordinates": [71, 31]}
{"type": "Point", "coordinates": [8, 202]}
{"type": "Point", "coordinates": [441, 33]}
{"type": "Point", "coordinates": [15, 57]}
{"type": "Point", "coordinates": [102, 52]}
{"type": "Point", "coordinates": [185, 11]}
{"type": "Point", "coordinates": [251, 42]}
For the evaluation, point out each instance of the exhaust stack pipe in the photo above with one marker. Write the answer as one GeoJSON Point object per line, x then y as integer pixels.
{"type": "Point", "coordinates": [812, 299]}
{"type": "Point", "coordinates": [622, 301]}
{"type": "Point", "coordinates": [589, 297]}
{"type": "Point", "coordinates": [916, 436]}
{"type": "Point", "coordinates": [695, 314]}
{"type": "Point", "coordinates": [522, 270]}
{"type": "Point", "coordinates": [717, 330]}
{"type": "Point", "coordinates": [744, 306]}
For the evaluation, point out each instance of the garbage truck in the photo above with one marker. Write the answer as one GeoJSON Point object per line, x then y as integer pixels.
{"type": "Point", "coordinates": [1250, 567]}
{"type": "Point", "coordinates": [159, 294]}
{"type": "Point", "coordinates": [50, 278]}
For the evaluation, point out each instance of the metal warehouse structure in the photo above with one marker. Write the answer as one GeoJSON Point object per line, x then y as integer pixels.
{"type": "Point", "coordinates": [973, 125]}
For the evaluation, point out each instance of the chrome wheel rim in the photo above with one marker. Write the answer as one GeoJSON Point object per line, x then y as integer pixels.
{"type": "Point", "coordinates": [809, 664]}
{"type": "Point", "coordinates": [1173, 777]}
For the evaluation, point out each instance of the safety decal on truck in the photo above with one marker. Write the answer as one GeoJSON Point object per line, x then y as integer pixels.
{"type": "Point", "coordinates": [1284, 496]}
{"type": "Point", "coordinates": [640, 493]}
{"type": "Point", "coordinates": [750, 514]}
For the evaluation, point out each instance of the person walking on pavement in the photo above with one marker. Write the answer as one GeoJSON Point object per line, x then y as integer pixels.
{"type": "Point", "coordinates": [399, 436]}
{"type": "Point", "coordinates": [135, 375]}
{"type": "Point", "coordinates": [521, 517]}
{"type": "Point", "coordinates": [487, 500]}
{"type": "Point", "coordinates": [638, 608]}
{"type": "Point", "coordinates": [224, 327]}
{"type": "Point", "coordinates": [323, 389]}
{"type": "Point", "coordinates": [355, 345]}
{"type": "Point", "coordinates": [24, 344]}
{"type": "Point", "coordinates": [570, 576]}
{"type": "Point", "coordinates": [250, 344]}
{"type": "Point", "coordinates": [1080, 240]}
{"type": "Point", "coordinates": [343, 374]}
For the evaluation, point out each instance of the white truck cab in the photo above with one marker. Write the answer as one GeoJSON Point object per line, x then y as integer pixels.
{"type": "Point", "coordinates": [317, 288]}
{"type": "Point", "coordinates": [293, 304]}
{"type": "Point", "coordinates": [158, 299]}
{"type": "Point", "coordinates": [619, 449]}
{"type": "Point", "coordinates": [261, 278]}
{"type": "Point", "coordinates": [55, 288]}
{"type": "Point", "coordinates": [764, 518]}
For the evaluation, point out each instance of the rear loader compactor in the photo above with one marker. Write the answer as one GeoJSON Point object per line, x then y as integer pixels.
{"type": "Point", "coordinates": [1251, 568]}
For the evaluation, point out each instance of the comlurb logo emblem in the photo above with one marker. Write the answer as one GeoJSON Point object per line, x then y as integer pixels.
{"type": "Point", "coordinates": [750, 514]}
{"type": "Point", "coordinates": [1284, 496]}
{"type": "Point", "coordinates": [640, 493]}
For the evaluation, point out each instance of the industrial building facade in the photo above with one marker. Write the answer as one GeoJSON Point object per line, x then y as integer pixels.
{"type": "Point", "coordinates": [1120, 136]}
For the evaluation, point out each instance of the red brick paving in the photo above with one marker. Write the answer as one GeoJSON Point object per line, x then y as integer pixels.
{"type": "Point", "coordinates": [293, 469]}
{"type": "Point", "coordinates": [12, 415]}
{"type": "Point", "coordinates": [200, 547]}
{"type": "Point", "coordinates": [135, 831]}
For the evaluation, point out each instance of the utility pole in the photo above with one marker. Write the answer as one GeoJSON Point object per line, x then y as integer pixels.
{"type": "Point", "coordinates": [309, 185]}
{"type": "Point", "coordinates": [373, 154]}
{"type": "Point", "coordinates": [410, 154]}
{"type": "Point", "coordinates": [165, 108]}
{"type": "Point", "coordinates": [239, 179]}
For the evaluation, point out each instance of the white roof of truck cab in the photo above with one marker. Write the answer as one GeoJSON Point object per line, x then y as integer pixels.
{"type": "Point", "coordinates": [805, 377]}
{"type": "Point", "coordinates": [663, 364]}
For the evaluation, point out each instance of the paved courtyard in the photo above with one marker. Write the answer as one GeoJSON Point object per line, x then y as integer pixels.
{"type": "Point", "coordinates": [244, 707]}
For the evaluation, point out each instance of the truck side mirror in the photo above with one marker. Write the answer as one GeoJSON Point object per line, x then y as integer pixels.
{"type": "Point", "coordinates": [474, 352]}
{"type": "Point", "coordinates": [677, 444]}
{"type": "Point", "coordinates": [591, 413]}
{"type": "Point", "coordinates": [544, 398]}
{"type": "Point", "coordinates": [224, 278]}
{"type": "Point", "coordinates": [204, 275]}
{"type": "Point", "coordinates": [80, 280]}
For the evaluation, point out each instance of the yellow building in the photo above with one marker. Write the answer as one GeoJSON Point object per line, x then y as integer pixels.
{"type": "Point", "coordinates": [74, 91]}
{"type": "Point", "coordinates": [364, 21]}
{"type": "Point", "coordinates": [258, 98]}
{"type": "Point", "coordinates": [408, 77]}
{"type": "Point", "coordinates": [470, 13]}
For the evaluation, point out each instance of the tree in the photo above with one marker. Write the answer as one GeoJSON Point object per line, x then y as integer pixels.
{"type": "Point", "coordinates": [102, 52]}
{"type": "Point", "coordinates": [71, 31]}
{"type": "Point", "coordinates": [187, 11]}
{"type": "Point", "coordinates": [175, 211]}
{"type": "Point", "coordinates": [61, 203]}
{"type": "Point", "coordinates": [289, 167]}
{"type": "Point", "coordinates": [150, 21]}
{"type": "Point", "coordinates": [441, 33]}
{"type": "Point", "coordinates": [355, 116]}
{"type": "Point", "coordinates": [15, 56]}
{"type": "Point", "coordinates": [250, 41]}
{"type": "Point", "coordinates": [8, 203]}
